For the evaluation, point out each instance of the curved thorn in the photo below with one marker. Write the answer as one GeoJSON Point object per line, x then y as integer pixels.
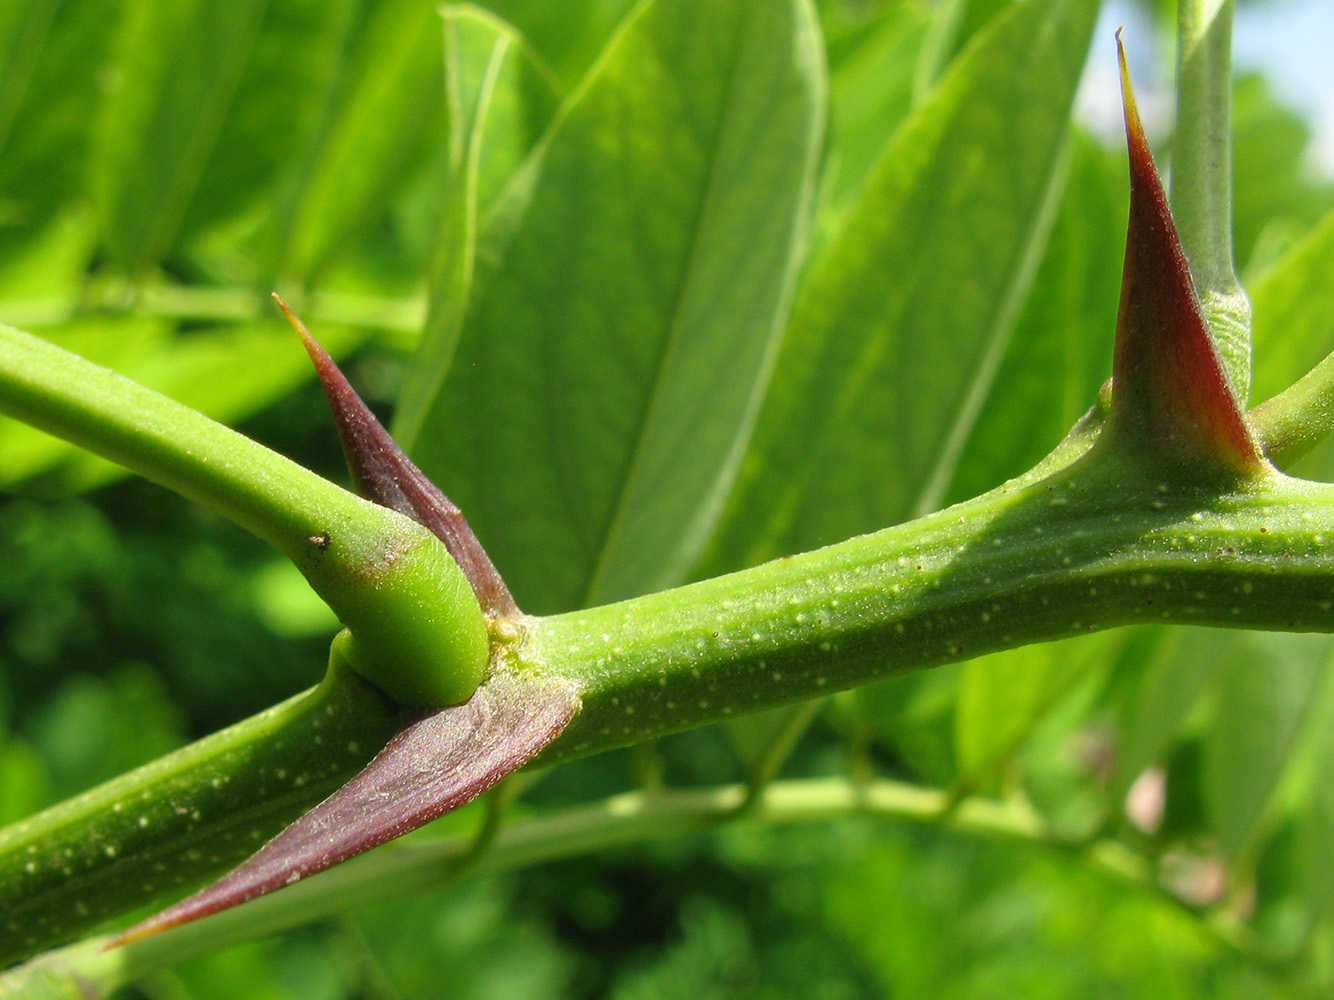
{"type": "Point", "coordinates": [442, 759]}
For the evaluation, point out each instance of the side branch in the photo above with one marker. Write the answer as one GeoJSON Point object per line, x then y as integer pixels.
{"type": "Point", "coordinates": [85, 969]}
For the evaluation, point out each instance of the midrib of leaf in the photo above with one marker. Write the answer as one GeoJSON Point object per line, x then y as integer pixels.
{"type": "Point", "coordinates": [441, 336]}
{"type": "Point", "coordinates": [938, 480]}
{"type": "Point", "coordinates": [630, 468]}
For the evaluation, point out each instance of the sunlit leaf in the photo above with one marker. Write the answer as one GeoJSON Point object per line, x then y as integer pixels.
{"type": "Point", "coordinates": [626, 303]}
{"type": "Point", "coordinates": [1294, 324]}
{"type": "Point", "coordinates": [1061, 350]}
{"type": "Point", "coordinates": [899, 325]}
{"type": "Point", "coordinates": [385, 119]}
{"type": "Point", "coordinates": [870, 92]}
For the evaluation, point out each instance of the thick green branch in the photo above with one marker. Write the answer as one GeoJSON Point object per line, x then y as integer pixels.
{"type": "Point", "coordinates": [1098, 544]}
{"type": "Point", "coordinates": [1091, 547]}
{"type": "Point", "coordinates": [1202, 177]}
{"type": "Point", "coordinates": [1103, 541]}
{"type": "Point", "coordinates": [171, 444]}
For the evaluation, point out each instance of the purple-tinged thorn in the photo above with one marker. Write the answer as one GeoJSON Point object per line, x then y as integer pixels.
{"type": "Point", "coordinates": [442, 759]}
{"type": "Point", "coordinates": [382, 473]}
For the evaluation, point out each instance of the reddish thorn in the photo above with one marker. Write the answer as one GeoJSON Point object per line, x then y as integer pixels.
{"type": "Point", "coordinates": [443, 759]}
{"type": "Point", "coordinates": [1169, 385]}
{"type": "Point", "coordinates": [381, 472]}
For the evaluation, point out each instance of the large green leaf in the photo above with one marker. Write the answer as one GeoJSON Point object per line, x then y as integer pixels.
{"type": "Point", "coordinates": [1061, 350]}
{"type": "Point", "coordinates": [50, 89]}
{"type": "Point", "coordinates": [265, 144]}
{"type": "Point", "coordinates": [23, 32]}
{"type": "Point", "coordinates": [627, 299]}
{"type": "Point", "coordinates": [870, 92]}
{"type": "Point", "coordinates": [898, 329]}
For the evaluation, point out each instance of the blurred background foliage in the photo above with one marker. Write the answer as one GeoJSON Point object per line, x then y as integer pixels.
{"type": "Point", "coordinates": [164, 166]}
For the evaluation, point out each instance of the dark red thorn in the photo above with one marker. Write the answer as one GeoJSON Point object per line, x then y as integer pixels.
{"type": "Point", "coordinates": [442, 760]}
{"type": "Point", "coordinates": [381, 472]}
{"type": "Point", "coordinates": [1169, 389]}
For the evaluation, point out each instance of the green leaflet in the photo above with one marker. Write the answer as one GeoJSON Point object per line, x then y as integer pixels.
{"type": "Point", "coordinates": [48, 96]}
{"type": "Point", "coordinates": [1060, 352]}
{"type": "Point", "coordinates": [260, 164]}
{"type": "Point", "coordinates": [626, 303]}
{"type": "Point", "coordinates": [24, 28]}
{"type": "Point", "coordinates": [870, 92]}
{"type": "Point", "coordinates": [386, 117]}
{"type": "Point", "coordinates": [897, 329]}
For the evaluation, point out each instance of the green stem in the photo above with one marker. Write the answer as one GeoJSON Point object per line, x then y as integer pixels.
{"type": "Point", "coordinates": [268, 495]}
{"type": "Point", "coordinates": [219, 304]}
{"type": "Point", "coordinates": [82, 971]}
{"type": "Point", "coordinates": [1098, 544]}
{"type": "Point", "coordinates": [1202, 178]}
{"type": "Point", "coordinates": [171, 825]}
